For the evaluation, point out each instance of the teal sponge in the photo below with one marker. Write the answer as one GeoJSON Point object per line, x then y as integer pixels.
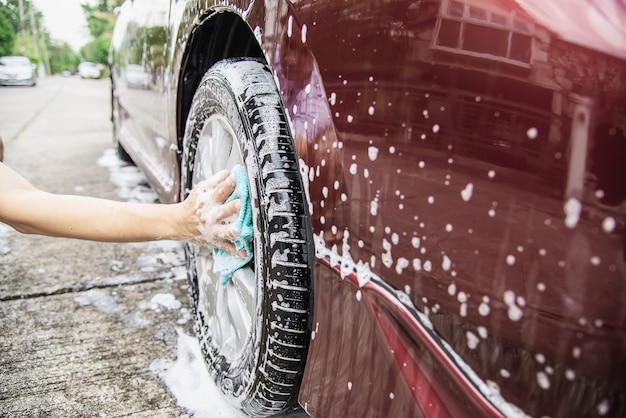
{"type": "Point", "coordinates": [226, 263]}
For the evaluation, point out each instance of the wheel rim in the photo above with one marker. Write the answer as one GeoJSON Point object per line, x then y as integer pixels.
{"type": "Point", "coordinates": [227, 309]}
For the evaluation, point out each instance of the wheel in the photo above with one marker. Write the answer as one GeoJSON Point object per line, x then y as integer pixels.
{"type": "Point", "coordinates": [254, 331]}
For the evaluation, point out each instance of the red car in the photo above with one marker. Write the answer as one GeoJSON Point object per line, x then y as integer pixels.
{"type": "Point", "coordinates": [438, 191]}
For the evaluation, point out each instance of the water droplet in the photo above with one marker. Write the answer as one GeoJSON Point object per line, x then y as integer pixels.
{"type": "Point", "coordinates": [541, 286]}
{"type": "Point", "coordinates": [543, 380]}
{"type": "Point", "coordinates": [484, 309]}
{"type": "Point", "coordinates": [576, 351]}
{"type": "Point", "coordinates": [431, 199]}
{"type": "Point", "coordinates": [447, 263]}
{"type": "Point", "coordinates": [304, 30]}
{"type": "Point", "coordinates": [372, 153]}
{"type": "Point", "coordinates": [595, 260]}
{"type": "Point", "coordinates": [482, 331]}
{"type": "Point", "coordinates": [370, 110]}
{"type": "Point", "coordinates": [349, 385]}
{"type": "Point", "coordinates": [349, 118]}
{"type": "Point", "coordinates": [531, 133]}
{"type": "Point", "coordinates": [435, 128]}
{"type": "Point", "coordinates": [510, 259]}
{"type": "Point", "coordinates": [572, 209]}
{"type": "Point", "coordinates": [505, 373]}
{"type": "Point", "coordinates": [449, 228]}
{"type": "Point", "coordinates": [608, 224]}
{"type": "Point", "coordinates": [452, 289]}
{"type": "Point", "coordinates": [603, 407]}
{"type": "Point", "coordinates": [374, 207]}
{"type": "Point", "coordinates": [353, 168]}
{"type": "Point", "coordinates": [359, 295]}
{"type": "Point", "coordinates": [466, 193]}
{"type": "Point", "coordinates": [333, 98]}
{"type": "Point", "coordinates": [472, 340]}
{"type": "Point", "coordinates": [417, 264]}
{"type": "Point", "coordinates": [570, 374]}
{"type": "Point", "coordinates": [491, 174]}
{"type": "Point", "coordinates": [421, 164]}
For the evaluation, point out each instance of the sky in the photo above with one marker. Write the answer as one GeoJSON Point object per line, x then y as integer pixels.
{"type": "Point", "coordinates": [65, 21]}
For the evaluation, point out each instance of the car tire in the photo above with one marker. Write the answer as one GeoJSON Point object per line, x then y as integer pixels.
{"type": "Point", "coordinates": [254, 331]}
{"type": "Point", "coordinates": [122, 154]}
{"type": "Point", "coordinates": [120, 151]}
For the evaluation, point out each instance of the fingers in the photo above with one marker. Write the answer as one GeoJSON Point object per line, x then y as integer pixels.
{"type": "Point", "coordinates": [224, 189]}
{"type": "Point", "coordinates": [224, 232]}
{"type": "Point", "coordinates": [218, 177]}
{"type": "Point", "coordinates": [230, 247]}
{"type": "Point", "coordinates": [228, 210]}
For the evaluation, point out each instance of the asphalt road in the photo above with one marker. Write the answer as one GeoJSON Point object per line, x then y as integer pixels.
{"type": "Point", "coordinates": [88, 329]}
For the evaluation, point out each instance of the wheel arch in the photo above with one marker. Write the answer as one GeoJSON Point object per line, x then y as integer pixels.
{"type": "Point", "coordinates": [221, 34]}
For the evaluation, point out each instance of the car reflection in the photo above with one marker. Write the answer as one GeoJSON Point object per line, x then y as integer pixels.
{"type": "Point", "coordinates": [136, 77]}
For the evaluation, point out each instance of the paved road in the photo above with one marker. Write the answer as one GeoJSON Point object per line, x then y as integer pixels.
{"type": "Point", "coordinates": [88, 328]}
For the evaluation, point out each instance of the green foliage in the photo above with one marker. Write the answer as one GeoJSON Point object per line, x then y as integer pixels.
{"type": "Point", "coordinates": [100, 21]}
{"type": "Point", "coordinates": [7, 34]}
{"type": "Point", "coordinates": [10, 10]}
{"type": "Point", "coordinates": [62, 57]}
{"type": "Point", "coordinates": [96, 51]}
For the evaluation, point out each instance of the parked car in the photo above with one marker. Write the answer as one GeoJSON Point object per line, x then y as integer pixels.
{"type": "Point", "coordinates": [438, 192]}
{"type": "Point", "coordinates": [17, 71]}
{"type": "Point", "coordinates": [88, 70]}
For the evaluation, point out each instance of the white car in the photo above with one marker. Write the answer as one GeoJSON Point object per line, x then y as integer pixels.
{"type": "Point", "coordinates": [17, 70]}
{"type": "Point", "coordinates": [88, 70]}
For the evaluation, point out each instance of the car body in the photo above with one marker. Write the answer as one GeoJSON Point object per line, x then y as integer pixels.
{"type": "Point", "coordinates": [465, 189]}
{"type": "Point", "coordinates": [88, 70]}
{"type": "Point", "coordinates": [17, 71]}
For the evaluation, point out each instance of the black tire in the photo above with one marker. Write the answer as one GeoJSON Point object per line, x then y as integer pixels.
{"type": "Point", "coordinates": [122, 154]}
{"type": "Point", "coordinates": [262, 375]}
{"type": "Point", "coordinates": [120, 151]}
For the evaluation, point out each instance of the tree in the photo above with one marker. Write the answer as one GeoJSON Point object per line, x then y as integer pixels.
{"type": "Point", "coordinates": [100, 21]}
{"type": "Point", "coordinates": [7, 33]}
{"type": "Point", "coordinates": [62, 57]}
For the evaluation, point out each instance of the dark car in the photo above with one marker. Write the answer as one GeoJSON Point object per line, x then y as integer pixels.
{"type": "Point", "coordinates": [17, 71]}
{"type": "Point", "coordinates": [438, 192]}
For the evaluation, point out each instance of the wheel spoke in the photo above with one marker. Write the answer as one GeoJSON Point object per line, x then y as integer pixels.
{"type": "Point", "coordinates": [244, 284]}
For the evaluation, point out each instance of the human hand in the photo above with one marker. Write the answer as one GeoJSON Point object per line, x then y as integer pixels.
{"type": "Point", "coordinates": [209, 214]}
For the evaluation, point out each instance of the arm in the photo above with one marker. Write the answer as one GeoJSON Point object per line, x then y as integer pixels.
{"type": "Point", "coordinates": [33, 211]}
